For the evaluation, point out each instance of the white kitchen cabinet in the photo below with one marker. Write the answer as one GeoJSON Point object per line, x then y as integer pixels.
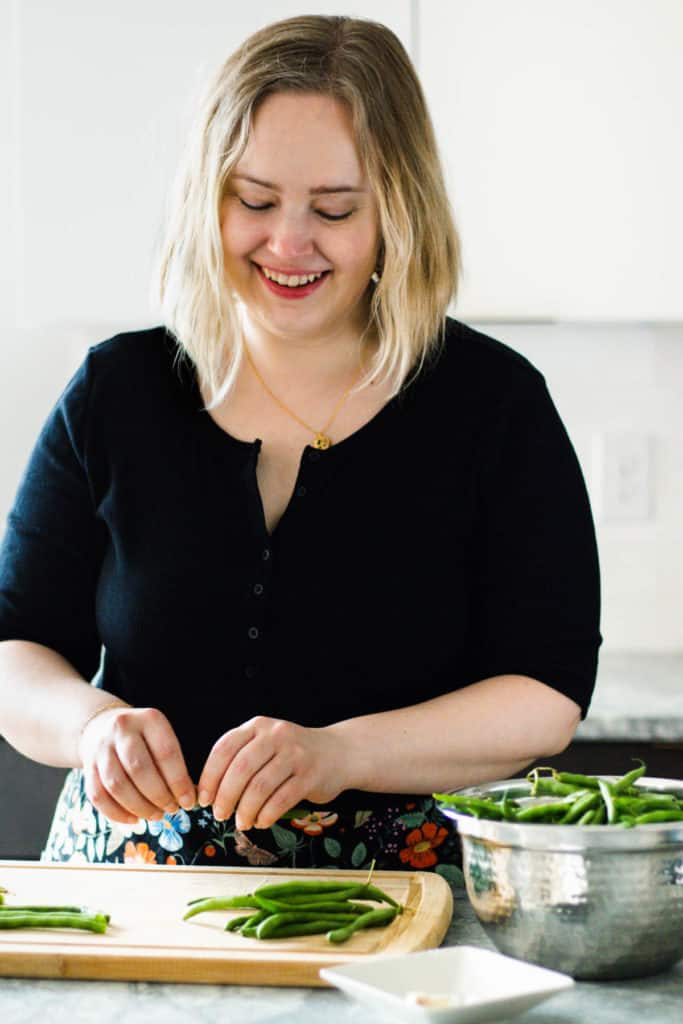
{"type": "Point", "coordinates": [101, 95]}
{"type": "Point", "coordinates": [561, 129]}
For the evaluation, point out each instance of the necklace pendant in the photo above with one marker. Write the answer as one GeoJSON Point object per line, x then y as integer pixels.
{"type": "Point", "coordinates": [321, 441]}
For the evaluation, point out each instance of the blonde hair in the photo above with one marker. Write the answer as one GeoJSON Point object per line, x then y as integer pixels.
{"type": "Point", "coordinates": [362, 64]}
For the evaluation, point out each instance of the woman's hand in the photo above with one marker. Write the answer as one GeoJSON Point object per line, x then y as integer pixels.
{"type": "Point", "coordinates": [263, 768]}
{"type": "Point", "coordinates": [133, 765]}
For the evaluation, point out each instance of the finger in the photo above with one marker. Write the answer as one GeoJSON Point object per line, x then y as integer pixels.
{"type": "Point", "coordinates": [219, 760]}
{"type": "Point", "coordinates": [241, 770]}
{"type": "Point", "coordinates": [164, 748]}
{"type": "Point", "coordinates": [138, 764]}
{"type": "Point", "coordinates": [260, 789]}
{"type": "Point", "coordinates": [288, 795]}
{"type": "Point", "coordinates": [117, 783]}
{"type": "Point", "coordinates": [104, 801]}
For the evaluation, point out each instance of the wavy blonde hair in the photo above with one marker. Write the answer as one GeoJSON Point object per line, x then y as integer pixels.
{"type": "Point", "coordinates": [362, 64]}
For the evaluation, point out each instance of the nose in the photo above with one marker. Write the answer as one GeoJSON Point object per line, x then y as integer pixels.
{"type": "Point", "coordinates": [291, 236]}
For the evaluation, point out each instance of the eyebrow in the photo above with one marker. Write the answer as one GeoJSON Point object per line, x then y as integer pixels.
{"type": "Point", "coordinates": [321, 190]}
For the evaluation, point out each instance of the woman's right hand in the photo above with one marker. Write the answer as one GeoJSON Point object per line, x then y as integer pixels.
{"type": "Point", "coordinates": [133, 766]}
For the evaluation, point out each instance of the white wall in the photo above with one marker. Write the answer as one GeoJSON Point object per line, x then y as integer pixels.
{"type": "Point", "coordinates": [94, 94]}
{"type": "Point", "coordinates": [623, 379]}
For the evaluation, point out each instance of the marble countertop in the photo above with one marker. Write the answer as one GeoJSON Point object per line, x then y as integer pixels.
{"type": "Point", "coordinates": [23, 1001]}
{"type": "Point", "coordinates": [638, 697]}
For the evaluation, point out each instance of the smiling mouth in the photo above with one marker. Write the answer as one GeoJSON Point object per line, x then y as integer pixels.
{"type": "Point", "coordinates": [292, 281]}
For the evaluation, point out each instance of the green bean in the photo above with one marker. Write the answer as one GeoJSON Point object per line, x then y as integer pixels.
{"type": "Point", "coordinates": [237, 922]}
{"type": "Point", "coordinates": [373, 919]}
{"type": "Point", "coordinates": [636, 805]}
{"type": "Point", "coordinates": [470, 804]}
{"type": "Point", "coordinates": [8, 908]}
{"type": "Point", "coordinates": [606, 793]}
{"type": "Point", "coordinates": [308, 888]}
{"type": "Point", "coordinates": [587, 818]}
{"type": "Point", "coordinates": [600, 815]}
{"type": "Point", "coordinates": [652, 816]}
{"type": "Point", "coordinates": [508, 807]}
{"type": "Point", "coordinates": [248, 921]}
{"type": "Point", "coordinates": [88, 922]}
{"type": "Point", "coordinates": [627, 780]}
{"type": "Point", "coordinates": [540, 812]}
{"type": "Point", "coordinates": [304, 928]}
{"type": "Point", "coordinates": [324, 906]}
{"type": "Point", "coordinates": [305, 899]}
{"type": "Point", "coordinates": [221, 903]}
{"type": "Point", "coordinates": [587, 802]}
{"type": "Point", "coordinates": [275, 921]}
{"type": "Point", "coordinates": [573, 779]}
{"type": "Point", "coordinates": [544, 786]}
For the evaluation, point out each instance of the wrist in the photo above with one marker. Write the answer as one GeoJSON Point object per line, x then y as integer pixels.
{"type": "Point", "coordinates": [349, 759]}
{"type": "Point", "coordinates": [98, 714]}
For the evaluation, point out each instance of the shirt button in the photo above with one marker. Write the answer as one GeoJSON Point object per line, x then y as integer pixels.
{"type": "Point", "coordinates": [258, 589]}
{"type": "Point", "coordinates": [253, 633]}
{"type": "Point", "coordinates": [266, 554]}
{"type": "Point", "coordinates": [250, 671]}
{"type": "Point", "coordinates": [301, 491]}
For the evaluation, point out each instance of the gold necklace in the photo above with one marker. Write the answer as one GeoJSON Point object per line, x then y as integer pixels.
{"type": "Point", "coordinates": [321, 438]}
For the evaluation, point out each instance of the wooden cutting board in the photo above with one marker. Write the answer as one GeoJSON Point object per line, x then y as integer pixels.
{"type": "Point", "coordinates": [147, 940]}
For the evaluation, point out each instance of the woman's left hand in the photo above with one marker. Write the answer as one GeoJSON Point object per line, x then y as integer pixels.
{"type": "Point", "coordinates": [263, 768]}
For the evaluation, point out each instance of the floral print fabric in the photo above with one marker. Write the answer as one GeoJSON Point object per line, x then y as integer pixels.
{"type": "Point", "coordinates": [403, 833]}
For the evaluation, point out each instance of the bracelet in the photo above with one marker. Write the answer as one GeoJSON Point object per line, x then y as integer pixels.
{"type": "Point", "coordinates": [103, 707]}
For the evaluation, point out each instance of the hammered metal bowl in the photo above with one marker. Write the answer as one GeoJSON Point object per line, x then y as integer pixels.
{"type": "Point", "coordinates": [592, 901]}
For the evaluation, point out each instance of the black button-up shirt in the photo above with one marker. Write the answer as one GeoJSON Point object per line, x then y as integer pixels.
{"type": "Point", "coordinates": [447, 540]}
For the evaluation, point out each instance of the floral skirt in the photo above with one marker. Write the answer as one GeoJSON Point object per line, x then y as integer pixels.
{"type": "Point", "coordinates": [406, 833]}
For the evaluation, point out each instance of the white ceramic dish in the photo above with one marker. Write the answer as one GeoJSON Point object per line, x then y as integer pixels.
{"type": "Point", "coordinates": [480, 985]}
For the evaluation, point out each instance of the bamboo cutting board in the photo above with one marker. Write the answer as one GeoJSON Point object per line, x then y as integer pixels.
{"type": "Point", "coordinates": [147, 940]}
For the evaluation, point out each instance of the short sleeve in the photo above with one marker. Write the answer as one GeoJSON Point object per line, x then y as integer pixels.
{"type": "Point", "coordinates": [536, 601]}
{"type": "Point", "coordinates": [52, 549]}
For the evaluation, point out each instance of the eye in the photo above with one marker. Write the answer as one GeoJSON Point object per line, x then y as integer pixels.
{"type": "Point", "coordinates": [332, 216]}
{"type": "Point", "coordinates": [249, 206]}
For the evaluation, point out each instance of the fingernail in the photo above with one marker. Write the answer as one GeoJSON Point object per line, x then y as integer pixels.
{"type": "Point", "coordinates": [220, 814]}
{"type": "Point", "coordinates": [187, 801]}
{"type": "Point", "coordinates": [204, 798]}
{"type": "Point", "coordinates": [171, 808]}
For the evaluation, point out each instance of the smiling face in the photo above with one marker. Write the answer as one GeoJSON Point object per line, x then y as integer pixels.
{"type": "Point", "coordinates": [317, 214]}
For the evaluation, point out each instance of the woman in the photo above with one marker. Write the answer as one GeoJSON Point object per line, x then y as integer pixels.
{"type": "Point", "coordinates": [333, 547]}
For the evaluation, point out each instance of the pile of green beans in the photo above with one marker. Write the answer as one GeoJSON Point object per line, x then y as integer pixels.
{"type": "Point", "coordinates": [304, 908]}
{"type": "Point", "coordinates": [576, 799]}
{"type": "Point", "coordinates": [50, 916]}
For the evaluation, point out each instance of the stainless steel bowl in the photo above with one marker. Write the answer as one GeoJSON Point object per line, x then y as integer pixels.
{"type": "Point", "coordinates": [594, 901]}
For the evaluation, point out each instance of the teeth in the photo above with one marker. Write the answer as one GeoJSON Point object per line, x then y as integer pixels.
{"type": "Point", "coordinates": [290, 282]}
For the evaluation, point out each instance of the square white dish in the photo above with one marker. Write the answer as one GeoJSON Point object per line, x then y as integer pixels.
{"type": "Point", "coordinates": [482, 985]}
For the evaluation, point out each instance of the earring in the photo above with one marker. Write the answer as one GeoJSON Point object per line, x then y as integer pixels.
{"type": "Point", "coordinates": [375, 277]}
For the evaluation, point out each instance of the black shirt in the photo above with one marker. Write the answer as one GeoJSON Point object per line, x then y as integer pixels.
{"type": "Point", "coordinates": [448, 540]}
